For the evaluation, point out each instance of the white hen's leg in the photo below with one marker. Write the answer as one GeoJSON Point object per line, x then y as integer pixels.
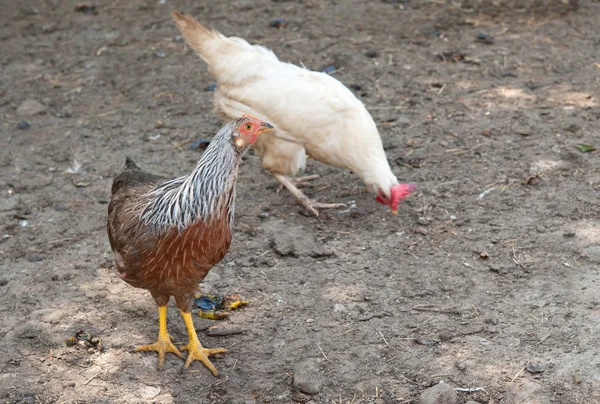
{"type": "Point", "coordinates": [300, 181]}
{"type": "Point", "coordinates": [308, 203]}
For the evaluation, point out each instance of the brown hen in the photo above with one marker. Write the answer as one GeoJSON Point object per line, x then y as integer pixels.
{"type": "Point", "coordinates": [166, 235]}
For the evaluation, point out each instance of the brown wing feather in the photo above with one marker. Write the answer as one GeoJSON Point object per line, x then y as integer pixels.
{"type": "Point", "coordinates": [169, 264]}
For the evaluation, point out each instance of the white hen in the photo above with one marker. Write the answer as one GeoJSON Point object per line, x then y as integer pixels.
{"type": "Point", "coordinates": [312, 112]}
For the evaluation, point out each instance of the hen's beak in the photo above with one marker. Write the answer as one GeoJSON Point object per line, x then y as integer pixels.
{"type": "Point", "coordinates": [394, 213]}
{"type": "Point", "coordinates": [265, 127]}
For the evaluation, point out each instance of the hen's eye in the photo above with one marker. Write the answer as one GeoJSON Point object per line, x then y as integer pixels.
{"type": "Point", "coordinates": [248, 126]}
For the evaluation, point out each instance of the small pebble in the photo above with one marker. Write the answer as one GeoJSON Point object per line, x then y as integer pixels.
{"type": "Point", "coordinates": [160, 54]}
{"type": "Point", "coordinates": [535, 368]}
{"type": "Point", "coordinates": [485, 38]}
{"type": "Point", "coordinates": [307, 378]}
{"type": "Point", "coordinates": [31, 108]}
{"type": "Point", "coordinates": [278, 23]}
{"type": "Point", "coordinates": [460, 365]}
{"type": "Point", "coordinates": [441, 393]}
{"type": "Point", "coordinates": [49, 27]}
{"type": "Point", "coordinates": [86, 8]}
{"type": "Point", "coordinates": [423, 221]}
{"type": "Point", "coordinates": [23, 125]}
{"type": "Point", "coordinates": [211, 87]}
{"type": "Point", "coordinates": [338, 308]}
{"type": "Point", "coordinates": [329, 69]}
{"type": "Point", "coordinates": [35, 258]}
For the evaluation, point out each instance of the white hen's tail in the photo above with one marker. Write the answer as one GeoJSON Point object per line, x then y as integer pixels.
{"type": "Point", "coordinates": [221, 53]}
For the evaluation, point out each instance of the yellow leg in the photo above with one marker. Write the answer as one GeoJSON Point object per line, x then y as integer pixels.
{"type": "Point", "coordinates": [164, 344]}
{"type": "Point", "coordinates": [195, 349]}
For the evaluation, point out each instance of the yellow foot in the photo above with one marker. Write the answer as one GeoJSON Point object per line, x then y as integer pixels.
{"type": "Point", "coordinates": [197, 352]}
{"type": "Point", "coordinates": [162, 346]}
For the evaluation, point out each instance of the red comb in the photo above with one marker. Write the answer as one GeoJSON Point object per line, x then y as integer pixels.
{"type": "Point", "coordinates": [399, 192]}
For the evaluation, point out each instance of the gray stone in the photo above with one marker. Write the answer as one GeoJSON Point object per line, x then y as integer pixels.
{"type": "Point", "coordinates": [439, 394]}
{"type": "Point", "coordinates": [535, 368]}
{"type": "Point", "coordinates": [91, 294]}
{"type": "Point", "coordinates": [31, 108]}
{"type": "Point", "coordinates": [307, 378]}
{"type": "Point", "coordinates": [472, 402]}
{"type": "Point", "coordinates": [529, 392]}
{"type": "Point", "coordinates": [338, 308]}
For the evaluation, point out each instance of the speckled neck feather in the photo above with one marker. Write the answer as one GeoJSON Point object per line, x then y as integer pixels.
{"type": "Point", "coordinates": [205, 194]}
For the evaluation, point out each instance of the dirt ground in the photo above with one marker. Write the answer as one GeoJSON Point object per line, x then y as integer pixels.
{"type": "Point", "coordinates": [487, 279]}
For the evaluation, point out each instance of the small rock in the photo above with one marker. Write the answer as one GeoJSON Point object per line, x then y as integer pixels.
{"type": "Point", "coordinates": [86, 8]}
{"type": "Point", "coordinates": [439, 394]}
{"type": "Point", "coordinates": [499, 269]}
{"type": "Point", "coordinates": [55, 317]}
{"type": "Point", "coordinates": [278, 23]}
{"type": "Point", "coordinates": [3, 281]}
{"type": "Point", "coordinates": [148, 392]}
{"type": "Point", "coordinates": [49, 27]}
{"type": "Point", "coordinates": [423, 221]}
{"type": "Point", "coordinates": [35, 258]}
{"type": "Point", "coordinates": [31, 108]}
{"type": "Point", "coordinates": [472, 402]}
{"type": "Point", "coordinates": [300, 398]}
{"type": "Point", "coordinates": [404, 121]}
{"type": "Point", "coordinates": [485, 38]}
{"type": "Point", "coordinates": [115, 288]}
{"type": "Point", "coordinates": [23, 125]}
{"type": "Point", "coordinates": [90, 294]}
{"type": "Point", "coordinates": [338, 308]}
{"type": "Point", "coordinates": [535, 368]}
{"type": "Point", "coordinates": [307, 378]}
{"type": "Point", "coordinates": [329, 69]}
{"type": "Point", "coordinates": [460, 365]}
{"type": "Point", "coordinates": [160, 54]}
{"type": "Point", "coordinates": [572, 128]}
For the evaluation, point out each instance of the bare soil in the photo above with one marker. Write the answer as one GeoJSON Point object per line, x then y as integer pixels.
{"type": "Point", "coordinates": [490, 266]}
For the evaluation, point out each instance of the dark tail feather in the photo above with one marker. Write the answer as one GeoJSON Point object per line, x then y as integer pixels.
{"type": "Point", "coordinates": [130, 165]}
